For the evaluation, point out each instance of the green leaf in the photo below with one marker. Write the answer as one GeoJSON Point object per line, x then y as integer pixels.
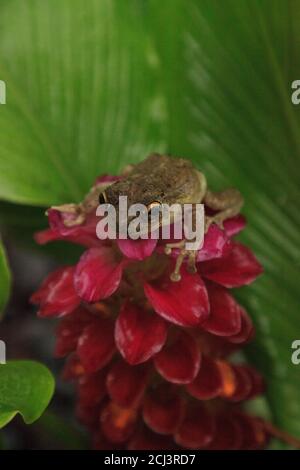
{"type": "Point", "coordinates": [230, 102]}
{"type": "Point", "coordinates": [82, 96]}
{"type": "Point", "coordinates": [4, 279]}
{"type": "Point", "coordinates": [26, 387]}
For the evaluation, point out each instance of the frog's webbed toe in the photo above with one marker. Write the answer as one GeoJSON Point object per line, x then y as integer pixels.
{"type": "Point", "coordinates": [228, 202]}
{"type": "Point", "coordinates": [217, 219]}
{"type": "Point", "coordinates": [75, 210]}
{"type": "Point", "coordinates": [183, 254]}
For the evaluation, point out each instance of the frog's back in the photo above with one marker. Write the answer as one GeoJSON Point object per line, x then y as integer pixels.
{"type": "Point", "coordinates": [158, 177]}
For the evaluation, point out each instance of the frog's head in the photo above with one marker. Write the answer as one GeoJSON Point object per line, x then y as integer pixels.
{"type": "Point", "coordinates": [152, 193]}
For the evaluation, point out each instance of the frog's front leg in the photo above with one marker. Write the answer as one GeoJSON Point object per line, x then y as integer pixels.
{"type": "Point", "coordinates": [79, 212]}
{"type": "Point", "coordinates": [229, 202]}
{"type": "Point", "coordinates": [183, 254]}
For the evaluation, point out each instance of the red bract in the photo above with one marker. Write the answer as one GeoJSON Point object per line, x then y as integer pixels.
{"type": "Point", "coordinates": [229, 435]}
{"type": "Point", "coordinates": [96, 344]}
{"type": "Point", "coordinates": [225, 313]}
{"type": "Point", "coordinates": [237, 268]}
{"type": "Point", "coordinates": [126, 384]}
{"type": "Point", "coordinates": [63, 220]}
{"type": "Point", "coordinates": [150, 356]}
{"type": "Point", "coordinates": [98, 274]}
{"type": "Point", "coordinates": [164, 409]}
{"type": "Point", "coordinates": [169, 299]}
{"type": "Point", "coordinates": [180, 360]}
{"type": "Point", "coordinates": [92, 388]}
{"type": "Point", "coordinates": [57, 296]}
{"type": "Point", "coordinates": [208, 382]}
{"type": "Point", "coordinates": [198, 428]}
{"type": "Point", "coordinates": [139, 334]}
{"type": "Point", "coordinates": [138, 249]}
{"type": "Point", "coordinates": [69, 330]}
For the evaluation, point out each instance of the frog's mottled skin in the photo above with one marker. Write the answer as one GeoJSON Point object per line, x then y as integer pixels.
{"type": "Point", "coordinates": [161, 179]}
{"type": "Point", "coordinates": [169, 180]}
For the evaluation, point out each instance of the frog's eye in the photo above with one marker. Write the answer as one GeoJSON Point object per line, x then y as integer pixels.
{"type": "Point", "coordinates": [153, 209]}
{"type": "Point", "coordinates": [153, 205]}
{"type": "Point", "coordinates": [102, 198]}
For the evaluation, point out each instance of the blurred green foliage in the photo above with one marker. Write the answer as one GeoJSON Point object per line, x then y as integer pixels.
{"type": "Point", "coordinates": [26, 387]}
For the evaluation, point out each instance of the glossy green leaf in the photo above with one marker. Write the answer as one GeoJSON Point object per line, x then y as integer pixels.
{"type": "Point", "coordinates": [26, 387]}
{"type": "Point", "coordinates": [82, 96]}
{"type": "Point", "coordinates": [232, 114]}
{"type": "Point", "coordinates": [4, 279]}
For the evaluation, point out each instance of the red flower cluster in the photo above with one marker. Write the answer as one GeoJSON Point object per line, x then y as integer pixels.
{"type": "Point", "coordinates": [150, 356]}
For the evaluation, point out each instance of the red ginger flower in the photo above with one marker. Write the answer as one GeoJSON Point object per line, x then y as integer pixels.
{"type": "Point", "coordinates": [149, 355]}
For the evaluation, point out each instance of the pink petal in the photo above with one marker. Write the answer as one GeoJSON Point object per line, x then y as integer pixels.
{"type": "Point", "coordinates": [46, 236]}
{"type": "Point", "coordinates": [91, 388]}
{"type": "Point", "coordinates": [225, 312]}
{"type": "Point", "coordinates": [228, 435]}
{"type": "Point", "coordinates": [96, 345]}
{"type": "Point", "coordinates": [59, 219]}
{"type": "Point", "coordinates": [98, 274]}
{"type": "Point", "coordinates": [169, 299]}
{"type": "Point", "coordinates": [139, 334]}
{"type": "Point", "coordinates": [83, 234]}
{"type": "Point", "coordinates": [57, 296]}
{"type": "Point", "coordinates": [126, 384]}
{"type": "Point", "coordinates": [208, 383]}
{"type": "Point", "coordinates": [246, 332]}
{"type": "Point", "coordinates": [239, 267]}
{"type": "Point", "coordinates": [179, 361]}
{"type": "Point", "coordinates": [234, 225]}
{"type": "Point", "coordinates": [137, 249]}
{"type": "Point", "coordinates": [215, 244]}
{"type": "Point", "coordinates": [68, 331]}
{"type": "Point", "coordinates": [197, 429]}
{"type": "Point", "coordinates": [163, 409]}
